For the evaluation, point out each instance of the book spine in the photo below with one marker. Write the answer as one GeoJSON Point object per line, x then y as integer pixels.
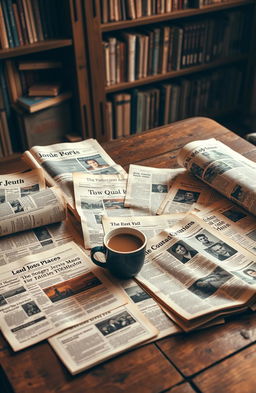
{"type": "Point", "coordinates": [156, 51]}
{"type": "Point", "coordinates": [7, 24]}
{"type": "Point", "coordinates": [37, 18]}
{"type": "Point", "coordinates": [3, 31]}
{"type": "Point", "coordinates": [22, 21]}
{"type": "Point", "coordinates": [18, 24]}
{"type": "Point", "coordinates": [12, 23]}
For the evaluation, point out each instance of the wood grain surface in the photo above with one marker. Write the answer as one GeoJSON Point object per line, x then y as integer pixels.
{"type": "Point", "coordinates": [219, 359]}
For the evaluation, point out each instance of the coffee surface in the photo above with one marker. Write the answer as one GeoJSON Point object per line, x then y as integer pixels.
{"type": "Point", "coordinates": [124, 242]}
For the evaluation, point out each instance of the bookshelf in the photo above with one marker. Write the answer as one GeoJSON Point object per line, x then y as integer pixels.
{"type": "Point", "coordinates": [233, 63]}
{"type": "Point", "coordinates": [58, 27]}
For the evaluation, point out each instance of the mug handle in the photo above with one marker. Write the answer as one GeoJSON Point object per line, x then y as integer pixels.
{"type": "Point", "coordinates": [98, 249]}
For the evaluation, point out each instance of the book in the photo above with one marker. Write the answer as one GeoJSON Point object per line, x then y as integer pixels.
{"type": "Point", "coordinates": [44, 89]}
{"type": "Point", "coordinates": [34, 104]}
{"type": "Point", "coordinates": [3, 33]}
{"type": "Point", "coordinates": [47, 126]}
{"type": "Point", "coordinates": [7, 24]}
{"type": "Point", "coordinates": [38, 65]}
{"type": "Point", "coordinates": [12, 23]}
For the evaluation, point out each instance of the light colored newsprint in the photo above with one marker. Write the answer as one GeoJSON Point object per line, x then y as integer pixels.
{"type": "Point", "coordinates": [232, 221]}
{"type": "Point", "coordinates": [17, 185]}
{"type": "Point", "coordinates": [97, 196]}
{"type": "Point", "coordinates": [184, 195]}
{"type": "Point", "coordinates": [18, 245]}
{"type": "Point", "coordinates": [223, 169]}
{"type": "Point", "coordinates": [147, 187]}
{"type": "Point", "coordinates": [149, 225]}
{"type": "Point", "coordinates": [194, 280]}
{"type": "Point", "coordinates": [102, 337]}
{"type": "Point", "coordinates": [46, 293]}
{"type": "Point", "coordinates": [61, 160]}
{"type": "Point", "coordinates": [34, 210]}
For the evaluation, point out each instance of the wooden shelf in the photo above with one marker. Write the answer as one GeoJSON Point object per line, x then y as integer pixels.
{"type": "Point", "coordinates": [175, 74]}
{"type": "Point", "coordinates": [33, 48]}
{"type": "Point", "coordinates": [173, 15]}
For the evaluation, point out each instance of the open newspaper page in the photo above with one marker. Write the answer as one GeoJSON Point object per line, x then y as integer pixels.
{"type": "Point", "coordinates": [184, 195]}
{"type": "Point", "coordinates": [59, 161]}
{"type": "Point", "coordinates": [147, 187]}
{"type": "Point", "coordinates": [17, 185]}
{"type": "Point", "coordinates": [102, 337]}
{"type": "Point", "coordinates": [223, 169]}
{"type": "Point", "coordinates": [192, 279]}
{"type": "Point", "coordinates": [46, 293]}
{"type": "Point", "coordinates": [18, 245]}
{"type": "Point", "coordinates": [97, 196]}
{"type": "Point", "coordinates": [34, 210]}
{"type": "Point", "coordinates": [149, 225]}
{"type": "Point", "coordinates": [232, 221]}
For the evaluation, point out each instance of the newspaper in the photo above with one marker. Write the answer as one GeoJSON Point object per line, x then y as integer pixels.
{"type": "Point", "coordinates": [18, 245]}
{"type": "Point", "coordinates": [194, 280]}
{"type": "Point", "coordinates": [59, 161]}
{"type": "Point", "coordinates": [97, 196]}
{"type": "Point", "coordinates": [185, 194]}
{"type": "Point", "coordinates": [43, 294]}
{"type": "Point", "coordinates": [147, 187]}
{"type": "Point", "coordinates": [17, 185]}
{"type": "Point", "coordinates": [231, 220]}
{"type": "Point", "coordinates": [34, 210]}
{"type": "Point", "coordinates": [102, 337]}
{"type": "Point", "coordinates": [149, 225]}
{"type": "Point", "coordinates": [223, 169]}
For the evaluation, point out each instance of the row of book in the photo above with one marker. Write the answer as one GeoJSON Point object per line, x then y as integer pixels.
{"type": "Point", "coordinates": [214, 93]}
{"type": "Point", "coordinates": [135, 55]}
{"type": "Point", "coordinates": [29, 21]}
{"type": "Point", "coordinates": [119, 10]}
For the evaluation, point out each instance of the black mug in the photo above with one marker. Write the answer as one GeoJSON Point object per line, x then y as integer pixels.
{"type": "Point", "coordinates": [124, 250]}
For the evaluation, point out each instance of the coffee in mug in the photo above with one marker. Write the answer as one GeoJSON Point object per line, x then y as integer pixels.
{"type": "Point", "coordinates": [124, 250]}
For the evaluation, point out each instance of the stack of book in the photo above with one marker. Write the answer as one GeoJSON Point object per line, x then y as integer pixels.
{"type": "Point", "coordinates": [28, 21]}
{"type": "Point", "coordinates": [135, 55]}
{"type": "Point", "coordinates": [214, 92]}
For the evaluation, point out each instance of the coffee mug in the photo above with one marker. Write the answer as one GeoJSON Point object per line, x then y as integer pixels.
{"type": "Point", "coordinates": [124, 250]}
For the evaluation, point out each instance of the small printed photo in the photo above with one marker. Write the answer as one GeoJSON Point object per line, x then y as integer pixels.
{"type": "Point", "coordinates": [115, 323]}
{"type": "Point", "coordinates": [215, 170]}
{"type": "Point", "coordinates": [196, 170]}
{"type": "Point", "coordinates": [208, 285]}
{"type": "Point", "coordinates": [114, 203]}
{"type": "Point", "coordinates": [98, 218]}
{"type": "Point", "coordinates": [137, 294]}
{"type": "Point", "coordinates": [2, 196]}
{"type": "Point", "coordinates": [17, 207]}
{"type": "Point", "coordinates": [162, 188]}
{"type": "Point", "coordinates": [95, 205]}
{"type": "Point", "coordinates": [93, 163]}
{"type": "Point", "coordinates": [182, 251]}
{"type": "Point", "coordinates": [29, 190]}
{"type": "Point", "coordinates": [185, 196]}
{"type": "Point", "coordinates": [206, 239]}
{"type": "Point", "coordinates": [252, 235]}
{"type": "Point", "coordinates": [248, 274]}
{"type": "Point", "coordinates": [238, 193]}
{"type": "Point", "coordinates": [3, 302]}
{"type": "Point", "coordinates": [221, 251]}
{"type": "Point", "coordinates": [31, 308]}
{"type": "Point", "coordinates": [234, 214]}
{"type": "Point", "coordinates": [42, 233]}
{"type": "Point", "coordinates": [72, 287]}
{"type": "Point", "coordinates": [213, 155]}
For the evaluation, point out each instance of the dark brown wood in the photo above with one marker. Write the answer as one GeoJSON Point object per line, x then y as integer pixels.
{"type": "Point", "coordinates": [34, 48]}
{"type": "Point", "coordinates": [214, 360]}
{"type": "Point", "coordinates": [174, 15]}
{"type": "Point", "coordinates": [235, 375]}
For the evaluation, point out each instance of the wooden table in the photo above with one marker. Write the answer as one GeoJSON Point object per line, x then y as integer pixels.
{"type": "Point", "coordinates": [215, 360]}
